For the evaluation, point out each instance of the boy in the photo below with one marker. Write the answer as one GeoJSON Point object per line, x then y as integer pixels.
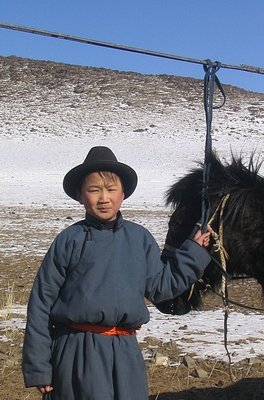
{"type": "Point", "coordinates": [87, 300]}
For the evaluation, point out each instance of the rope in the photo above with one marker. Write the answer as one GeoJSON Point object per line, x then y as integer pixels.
{"type": "Point", "coordinates": [224, 289]}
{"type": "Point", "coordinates": [56, 35]}
{"type": "Point", "coordinates": [219, 239]}
{"type": "Point", "coordinates": [210, 79]}
{"type": "Point", "coordinates": [235, 303]}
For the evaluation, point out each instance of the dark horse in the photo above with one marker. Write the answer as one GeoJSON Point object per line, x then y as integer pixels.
{"type": "Point", "coordinates": [236, 196]}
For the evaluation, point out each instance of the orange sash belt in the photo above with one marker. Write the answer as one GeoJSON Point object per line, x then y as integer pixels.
{"type": "Point", "coordinates": [103, 330]}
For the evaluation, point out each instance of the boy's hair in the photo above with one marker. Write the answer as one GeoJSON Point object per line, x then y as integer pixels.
{"type": "Point", "coordinates": [105, 175]}
{"type": "Point", "coordinates": [110, 176]}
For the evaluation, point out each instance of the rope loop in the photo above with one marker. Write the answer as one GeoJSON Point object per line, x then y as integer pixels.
{"type": "Point", "coordinates": [210, 79]}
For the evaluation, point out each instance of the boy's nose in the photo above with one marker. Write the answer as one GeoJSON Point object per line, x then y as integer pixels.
{"type": "Point", "coordinates": [103, 195]}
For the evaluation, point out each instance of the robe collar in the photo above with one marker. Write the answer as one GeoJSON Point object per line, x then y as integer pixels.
{"type": "Point", "coordinates": [110, 225]}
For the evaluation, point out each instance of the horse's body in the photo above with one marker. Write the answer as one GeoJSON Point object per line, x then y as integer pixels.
{"type": "Point", "coordinates": [237, 192]}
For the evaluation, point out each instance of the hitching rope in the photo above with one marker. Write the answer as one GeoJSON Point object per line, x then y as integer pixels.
{"type": "Point", "coordinates": [210, 79]}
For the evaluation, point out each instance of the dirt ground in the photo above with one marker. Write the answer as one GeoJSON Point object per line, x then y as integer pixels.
{"type": "Point", "coordinates": [24, 238]}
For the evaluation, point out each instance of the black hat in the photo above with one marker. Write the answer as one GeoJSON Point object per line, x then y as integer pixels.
{"type": "Point", "coordinates": [100, 158]}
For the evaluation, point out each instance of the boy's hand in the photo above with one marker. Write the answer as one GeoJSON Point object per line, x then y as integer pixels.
{"type": "Point", "coordinates": [45, 389]}
{"type": "Point", "coordinates": [203, 239]}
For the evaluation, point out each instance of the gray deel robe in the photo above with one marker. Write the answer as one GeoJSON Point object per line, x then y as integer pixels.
{"type": "Point", "coordinates": [99, 274]}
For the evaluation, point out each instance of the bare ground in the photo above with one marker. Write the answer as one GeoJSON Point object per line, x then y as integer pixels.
{"type": "Point", "coordinates": [25, 236]}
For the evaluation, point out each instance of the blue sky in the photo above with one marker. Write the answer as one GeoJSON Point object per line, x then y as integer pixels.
{"type": "Point", "coordinates": [229, 31]}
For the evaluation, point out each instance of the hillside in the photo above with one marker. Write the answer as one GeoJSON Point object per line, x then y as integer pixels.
{"type": "Point", "coordinates": [47, 98]}
{"type": "Point", "coordinates": [51, 114]}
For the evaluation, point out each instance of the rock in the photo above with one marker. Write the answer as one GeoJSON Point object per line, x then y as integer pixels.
{"type": "Point", "coordinates": [183, 327]}
{"type": "Point", "coordinates": [174, 362]}
{"type": "Point", "coordinates": [200, 373]}
{"type": "Point", "coordinates": [189, 362]}
{"type": "Point", "coordinates": [255, 361]}
{"type": "Point", "coordinates": [160, 359]}
{"type": "Point", "coordinates": [153, 341]}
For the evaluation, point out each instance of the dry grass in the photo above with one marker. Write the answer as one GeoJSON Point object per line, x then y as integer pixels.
{"type": "Point", "coordinates": [7, 301]}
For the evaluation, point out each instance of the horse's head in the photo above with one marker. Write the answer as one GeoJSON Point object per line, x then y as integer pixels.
{"type": "Point", "coordinates": [236, 195]}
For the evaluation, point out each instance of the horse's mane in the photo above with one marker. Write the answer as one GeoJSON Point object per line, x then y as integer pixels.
{"type": "Point", "coordinates": [235, 178]}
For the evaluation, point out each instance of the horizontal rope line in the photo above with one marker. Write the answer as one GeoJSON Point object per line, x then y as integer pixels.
{"type": "Point", "coordinates": [241, 67]}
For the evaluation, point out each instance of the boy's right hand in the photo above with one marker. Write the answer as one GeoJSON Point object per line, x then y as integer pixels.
{"type": "Point", "coordinates": [45, 389]}
{"type": "Point", "coordinates": [203, 239]}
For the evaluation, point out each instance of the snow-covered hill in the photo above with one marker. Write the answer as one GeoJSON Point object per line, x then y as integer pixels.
{"type": "Point", "coordinates": [51, 114]}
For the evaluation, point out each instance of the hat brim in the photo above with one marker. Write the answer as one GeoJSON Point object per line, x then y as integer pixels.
{"type": "Point", "coordinates": [73, 178]}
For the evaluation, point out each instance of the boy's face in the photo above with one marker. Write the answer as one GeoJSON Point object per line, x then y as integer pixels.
{"type": "Point", "coordinates": [101, 197]}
